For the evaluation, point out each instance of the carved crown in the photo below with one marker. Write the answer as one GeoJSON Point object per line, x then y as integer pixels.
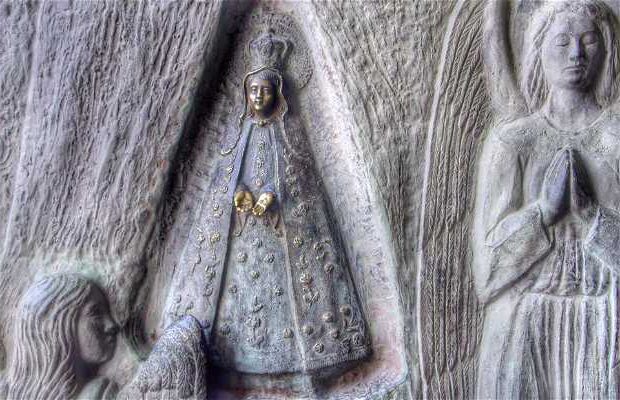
{"type": "Point", "coordinates": [268, 50]}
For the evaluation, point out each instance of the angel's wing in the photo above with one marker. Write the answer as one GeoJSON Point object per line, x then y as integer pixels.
{"type": "Point", "coordinates": [449, 315]}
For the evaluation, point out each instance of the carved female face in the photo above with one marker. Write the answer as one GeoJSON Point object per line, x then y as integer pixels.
{"type": "Point", "coordinates": [261, 96]}
{"type": "Point", "coordinates": [573, 52]}
{"type": "Point", "coordinates": [96, 332]}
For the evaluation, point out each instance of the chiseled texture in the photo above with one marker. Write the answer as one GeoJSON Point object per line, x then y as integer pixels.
{"type": "Point", "coordinates": [383, 58]}
{"type": "Point", "coordinates": [103, 93]}
{"type": "Point", "coordinates": [17, 27]}
{"type": "Point", "coordinates": [449, 314]}
{"type": "Point", "coordinates": [366, 108]}
{"type": "Point", "coordinates": [17, 24]}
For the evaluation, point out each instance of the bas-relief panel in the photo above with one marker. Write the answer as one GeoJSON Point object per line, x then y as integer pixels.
{"type": "Point", "coordinates": [518, 264]}
{"type": "Point", "coordinates": [271, 274]}
{"type": "Point", "coordinates": [367, 259]}
{"type": "Point", "coordinates": [546, 242]}
{"type": "Point", "coordinates": [279, 283]}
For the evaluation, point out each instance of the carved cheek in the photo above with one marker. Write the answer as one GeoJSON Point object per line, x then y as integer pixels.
{"type": "Point", "coordinates": [89, 335]}
{"type": "Point", "coordinates": [595, 54]}
{"type": "Point", "coordinates": [594, 51]}
{"type": "Point", "coordinates": [269, 100]}
{"type": "Point", "coordinates": [252, 99]}
{"type": "Point", "coordinates": [553, 58]}
{"type": "Point", "coordinates": [96, 331]}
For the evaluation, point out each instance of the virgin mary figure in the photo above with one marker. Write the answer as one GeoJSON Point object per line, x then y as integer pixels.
{"type": "Point", "coordinates": [546, 254]}
{"type": "Point", "coordinates": [266, 273]}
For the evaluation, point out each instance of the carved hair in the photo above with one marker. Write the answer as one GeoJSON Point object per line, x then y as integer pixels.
{"type": "Point", "coordinates": [43, 362]}
{"type": "Point", "coordinates": [268, 75]}
{"type": "Point", "coordinates": [533, 83]}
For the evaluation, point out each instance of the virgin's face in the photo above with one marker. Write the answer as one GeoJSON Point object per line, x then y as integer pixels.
{"type": "Point", "coordinates": [573, 52]}
{"type": "Point", "coordinates": [96, 330]}
{"type": "Point", "coordinates": [261, 96]}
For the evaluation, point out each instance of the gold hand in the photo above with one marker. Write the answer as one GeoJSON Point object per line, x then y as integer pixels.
{"type": "Point", "coordinates": [243, 201]}
{"type": "Point", "coordinates": [263, 203]}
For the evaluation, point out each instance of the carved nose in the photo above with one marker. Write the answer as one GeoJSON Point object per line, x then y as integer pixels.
{"type": "Point", "coordinates": [576, 51]}
{"type": "Point", "coordinates": [110, 327]}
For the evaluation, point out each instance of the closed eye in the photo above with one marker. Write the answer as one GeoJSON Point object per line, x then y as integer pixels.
{"type": "Point", "coordinates": [589, 38]}
{"type": "Point", "coordinates": [94, 311]}
{"type": "Point", "coordinates": [561, 40]}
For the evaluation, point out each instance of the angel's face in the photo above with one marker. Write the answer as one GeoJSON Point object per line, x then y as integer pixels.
{"type": "Point", "coordinates": [96, 331]}
{"type": "Point", "coordinates": [573, 52]}
{"type": "Point", "coordinates": [261, 96]}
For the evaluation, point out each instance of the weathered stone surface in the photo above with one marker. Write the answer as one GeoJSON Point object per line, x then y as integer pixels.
{"type": "Point", "coordinates": [113, 118]}
{"type": "Point", "coordinates": [546, 221]}
{"type": "Point", "coordinates": [97, 94]}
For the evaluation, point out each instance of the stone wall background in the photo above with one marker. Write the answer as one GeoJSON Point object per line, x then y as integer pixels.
{"type": "Point", "coordinates": [387, 78]}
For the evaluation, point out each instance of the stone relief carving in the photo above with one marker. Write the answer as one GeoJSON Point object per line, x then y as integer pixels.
{"type": "Point", "coordinates": [546, 226]}
{"type": "Point", "coordinates": [449, 315]}
{"type": "Point", "coordinates": [175, 368]}
{"type": "Point", "coordinates": [63, 333]}
{"type": "Point", "coordinates": [517, 287]}
{"type": "Point", "coordinates": [281, 306]}
{"type": "Point", "coordinates": [264, 270]}
{"type": "Point", "coordinates": [349, 208]}
{"type": "Point", "coordinates": [281, 273]}
{"type": "Point", "coordinates": [66, 333]}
